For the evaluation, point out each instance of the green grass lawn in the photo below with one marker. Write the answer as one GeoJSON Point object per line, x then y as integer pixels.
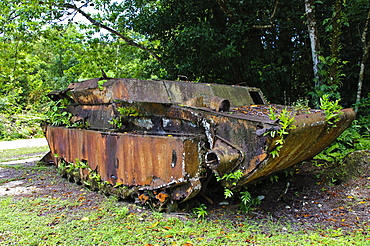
{"type": "Point", "coordinates": [57, 219]}
{"type": "Point", "coordinates": [22, 153]}
{"type": "Point", "coordinates": [54, 221]}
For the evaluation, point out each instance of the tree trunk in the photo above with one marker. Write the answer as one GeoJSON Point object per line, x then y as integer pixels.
{"type": "Point", "coordinates": [365, 55]}
{"type": "Point", "coordinates": [314, 38]}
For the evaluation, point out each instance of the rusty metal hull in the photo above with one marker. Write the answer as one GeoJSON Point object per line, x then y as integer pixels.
{"type": "Point", "coordinates": [166, 136]}
{"type": "Point", "coordinates": [145, 161]}
{"type": "Point", "coordinates": [311, 135]}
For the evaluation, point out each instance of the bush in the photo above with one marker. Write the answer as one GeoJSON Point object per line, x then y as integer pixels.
{"type": "Point", "coordinates": [18, 126]}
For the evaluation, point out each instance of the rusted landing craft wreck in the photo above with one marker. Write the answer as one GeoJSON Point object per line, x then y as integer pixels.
{"type": "Point", "coordinates": [160, 140]}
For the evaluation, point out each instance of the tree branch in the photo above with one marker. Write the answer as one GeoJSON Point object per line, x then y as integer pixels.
{"type": "Point", "coordinates": [226, 10]}
{"type": "Point", "coordinates": [272, 17]}
{"type": "Point", "coordinates": [96, 23]}
{"type": "Point", "coordinates": [231, 16]}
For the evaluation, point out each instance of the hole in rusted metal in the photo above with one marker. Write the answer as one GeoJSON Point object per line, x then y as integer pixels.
{"type": "Point", "coordinates": [174, 159]}
{"type": "Point", "coordinates": [256, 97]}
{"type": "Point", "coordinates": [212, 159]}
{"type": "Point", "coordinates": [220, 104]}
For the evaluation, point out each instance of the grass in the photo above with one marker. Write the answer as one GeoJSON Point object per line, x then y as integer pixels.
{"type": "Point", "coordinates": [64, 220]}
{"type": "Point", "coordinates": [52, 221]}
{"type": "Point", "coordinates": [22, 153]}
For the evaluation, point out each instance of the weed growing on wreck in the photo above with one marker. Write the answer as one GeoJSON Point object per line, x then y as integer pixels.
{"type": "Point", "coordinates": [116, 122]}
{"type": "Point", "coordinates": [128, 111]}
{"type": "Point", "coordinates": [57, 116]}
{"type": "Point", "coordinates": [101, 83]}
{"type": "Point", "coordinates": [72, 171]}
{"type": "Point", "coordinates": [331, 110]}
{"type": "Point", "coordinates": [124, 111]}
{"type": "Point", "coordinates": [286, 123]}
{"type": "Point", "coordinates": [81, 124]}
{"type": "Point", "coordinates": [301, 106]}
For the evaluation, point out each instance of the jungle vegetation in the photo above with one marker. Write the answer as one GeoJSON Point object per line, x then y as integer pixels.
{"type": "Point", "coordinates": [293, 50]}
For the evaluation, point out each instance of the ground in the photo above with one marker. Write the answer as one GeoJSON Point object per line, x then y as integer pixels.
{"type": "Point", "coordinates": [314, 198]}
{"type": "Point", "coordinates": [309, 199]}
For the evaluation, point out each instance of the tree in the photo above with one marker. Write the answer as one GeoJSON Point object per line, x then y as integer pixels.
{"type": "Point", "coordinates": [259, 43]}
{"type": "Point", "coordinates": [366, 49]}
{"type": "Point", "coordinates": [314, 38]}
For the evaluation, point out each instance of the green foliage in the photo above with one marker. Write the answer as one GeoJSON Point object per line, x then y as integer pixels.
{"type": "Point", "coordinates": [363, 115]}
{"type": "Point", "coordinates": [81, 125]}
{"type": "Point", "coordinates": [117, 122]}
{"type": "Point", "coordinates": [233, 176]}
{"type": "Point", "coordinates": [286, 121]}
{"type": "Point", "coordinates": [231, 179]}
{"type": "Point", "coordinates": [228, 193]}
{"type": "Point", "coordinates": [274, 178]}
{"type": "Point", "coordinates": [57, 116]}
{"type": "Point", "coordinates": [349, 141]}
{"type": "Point", "coordinates": [301, 106]}
{"type": "Point", "coordinates": [200, 211]}
{"type": "Point", "coordinates": [241, 42]}
{"type": "Point", "coordinates": [331, 110]}
{"type": "Point", "coordinates": [247, 202]}
{"type": "Point", "coordinates": [128, 111]}
{"type": "Point", "coordinates": [22, 125]}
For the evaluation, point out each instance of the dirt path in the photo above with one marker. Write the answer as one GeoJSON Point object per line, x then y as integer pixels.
{"type": "Point", "coordinates": [23, 143]}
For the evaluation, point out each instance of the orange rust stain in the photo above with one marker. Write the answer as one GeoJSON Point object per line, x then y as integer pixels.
{"type": "Point", "coordinates": [253, 162]}
{"type": "Point", "coordinates": [161, 197]}
{"type": "Point", "coordinates": [143, 198]}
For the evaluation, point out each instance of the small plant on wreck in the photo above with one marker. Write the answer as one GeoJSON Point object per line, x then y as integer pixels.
{"type": "Point", "coordinates": [128, 111]}
{"type": "Point", "coordinates": [301, 106]}
{"type": "Point", "coordinates": [286, 121]}
{"type": "Point", "coordinates": [57, 115]}
{"type": "Point", "coordinates": [331, 110]}
{"type": "Point", "coordinates": [81, 124]}
{"type": "Point", "coordinates": [118, 120]}
{"type": "Point", "coordinates": [81, 173]}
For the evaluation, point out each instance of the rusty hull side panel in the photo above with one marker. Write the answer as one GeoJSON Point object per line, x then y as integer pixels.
{"type": "Point", "coordinates": [129, 159]}
{"type": "Point", "coordinates": [311, 135]}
